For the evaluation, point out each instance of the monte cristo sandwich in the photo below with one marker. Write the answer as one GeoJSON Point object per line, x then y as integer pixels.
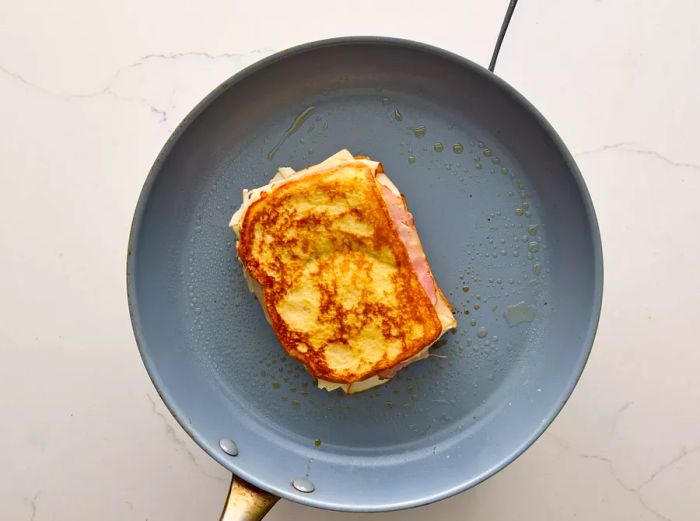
{"type": "Point", "coordinates": [333, 256]}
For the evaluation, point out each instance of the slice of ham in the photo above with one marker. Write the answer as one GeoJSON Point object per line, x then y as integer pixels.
{"type": "Point", "coordinates": [405, 225]}
{"type": "Point", "coordinates": [406, 228]}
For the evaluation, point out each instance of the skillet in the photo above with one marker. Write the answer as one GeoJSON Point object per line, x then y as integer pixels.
{"type": "Point", "coordinates": [507, 225]}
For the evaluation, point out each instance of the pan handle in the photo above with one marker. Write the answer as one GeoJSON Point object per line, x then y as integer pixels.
{"type": "Point", "coordinates": [502, 33]}
{"type": "Point", "coordinates": [246, 502]}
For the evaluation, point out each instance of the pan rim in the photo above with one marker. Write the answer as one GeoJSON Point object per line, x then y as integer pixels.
{"type": "Point", "coordinates": [592, 224]}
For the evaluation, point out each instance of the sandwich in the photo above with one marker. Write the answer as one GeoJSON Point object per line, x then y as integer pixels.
{"type": "Point", "coordinates": [333, 256]}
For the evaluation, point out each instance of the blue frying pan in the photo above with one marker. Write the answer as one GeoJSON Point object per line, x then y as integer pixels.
{"type": "Point", "coordinates": [508, 228]}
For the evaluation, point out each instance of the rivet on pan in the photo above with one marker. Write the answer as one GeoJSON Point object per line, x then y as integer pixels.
{"type": "Point", "coordinates": [228, 446]}
{"type": "Point", "coordinates": [303, 485]}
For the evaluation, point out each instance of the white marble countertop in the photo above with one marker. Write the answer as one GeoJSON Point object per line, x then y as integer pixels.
{"type": "Point", "coordinates": [90, 91]}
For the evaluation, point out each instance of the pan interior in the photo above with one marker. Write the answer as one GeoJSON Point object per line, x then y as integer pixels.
{"type": "Point", "coordinates": [506, 228]}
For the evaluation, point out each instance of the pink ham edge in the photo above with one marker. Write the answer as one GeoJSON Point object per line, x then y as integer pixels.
{"type": "Point", "coordinates": [406, 227]}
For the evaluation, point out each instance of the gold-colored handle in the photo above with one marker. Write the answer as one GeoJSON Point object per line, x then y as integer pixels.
{"type": "Point", "coordinates": [246, 502]}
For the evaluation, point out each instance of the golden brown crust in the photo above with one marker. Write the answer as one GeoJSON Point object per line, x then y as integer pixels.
{"type": "Point", "coordinates": [337, 281]}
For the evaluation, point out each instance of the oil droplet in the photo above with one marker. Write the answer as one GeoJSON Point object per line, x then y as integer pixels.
{"type": "Point", "coordinates": [519, 313]}
{"type": "Point", "coordinates": [299, 120]}
{"type": "Point", "coordinates": [482, 332]}
{"type": "Point", "coordinates": [537, 268]}
{"type": "Point", "coordinates": [472, 322]}
{"type": "Point", "coordinates": [533, 247]}
{"type": "Point", "coordinates": [411, 159]}
{"type": "Point", "coordinates": [317, 442]}
{"type": "Point", "coordinates": [532, 229]}
{"type": "Point", "coordinates": [385, 100]}
{"type": "Point", "coordinates": [438, 147]}
{"type": "Point", "coordinates": [419, 131]}
{"type": "Point", "coordinates": [504, 170]}
{"type": "Point", "coordinates": [458, 148]}
{"type": "Point", "coordinates": [519, 211]}
{"type": "Point", "coordinates": [487, 152]}
{"type": "Point", "coordinates": [397, 115]}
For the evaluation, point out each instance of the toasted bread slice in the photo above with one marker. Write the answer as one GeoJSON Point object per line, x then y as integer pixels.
{"type": "Point", "coordinates": [339, 270]}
